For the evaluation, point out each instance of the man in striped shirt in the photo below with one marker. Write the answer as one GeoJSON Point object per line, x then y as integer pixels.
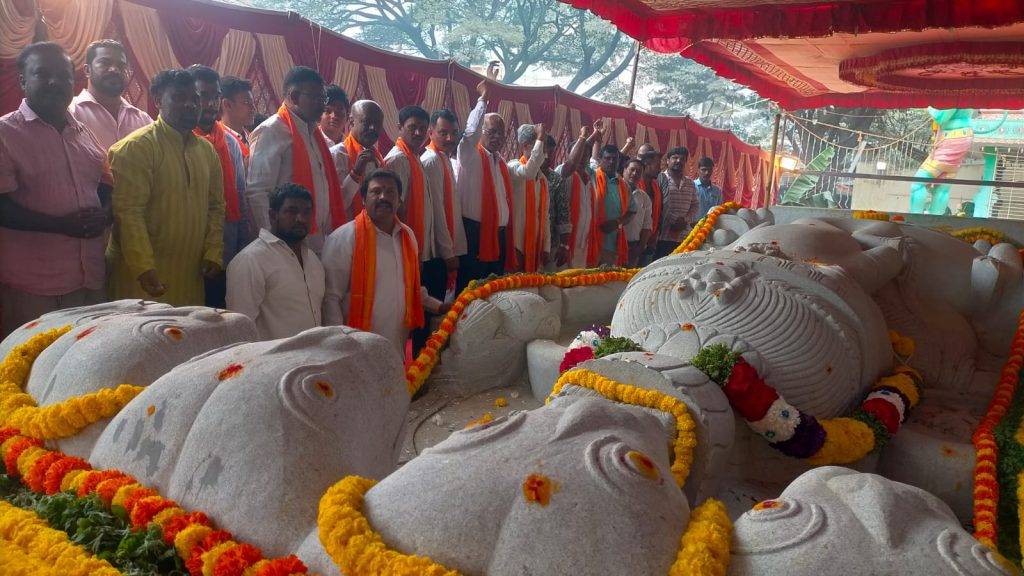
{"type": "Point", "coordinates": [681, 204]}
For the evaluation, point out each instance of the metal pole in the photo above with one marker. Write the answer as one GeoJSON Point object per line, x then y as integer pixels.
{"type": "Point", "coordinates": [771, 163]}
{"type": "Point", "coordinates": [636, 66]}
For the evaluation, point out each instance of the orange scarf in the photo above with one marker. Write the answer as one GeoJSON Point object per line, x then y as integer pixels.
{"type": "Point", "coordinates": [364, 274]}
{"type": "Point", "coordinates": [490, 248]}
{"type": "Point", "coordinates": [533, 231]}
{"type": "Point", "coordinates": [353, 148]}
{"type": "Point", "coordinates": [219, 138]}
{"type": "Point", "coordinates": [449, 194]}
{"type": "Point", "coordinates": [414, 195]}
{"type": "Point", "coordinates": [622, 247]}
{"type": "Point", "coordinates": [302, 171]}
{"type": "Point", "coordinates": [655, 203]}
{"type": "Point", "coordinates": [241, 141]}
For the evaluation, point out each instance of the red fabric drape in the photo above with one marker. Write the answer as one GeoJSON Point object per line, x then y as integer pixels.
{"type": "Point", "coordinates": [194, 41]}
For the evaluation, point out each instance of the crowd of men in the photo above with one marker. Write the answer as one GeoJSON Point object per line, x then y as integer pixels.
{"type": "Point", "coordinates": [300, 220]}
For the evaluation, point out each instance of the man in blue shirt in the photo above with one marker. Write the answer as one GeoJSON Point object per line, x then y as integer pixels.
{"type": "Point", "coordinates": [708, 194]}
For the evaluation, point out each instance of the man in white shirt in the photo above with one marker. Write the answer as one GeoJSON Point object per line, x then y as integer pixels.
{"type": "Point", "coordinates": [334, 121]}
{"type": "Point", "coordinates": [638, 230]}
{"type": "Point", "coordinates": [578, 185]}
{"type": "Point", "coordinates": [357, 155]}
{"type": "Point", "coordinates": [390, 302]}
{"type": "Point", "coordinates": [530, 198]}
{"type": "Point", "coordinates": [450, 240]}
{"type": "Point", "coordinates": [276, 280]}
{"type": "Point", "coordinates": [237, 110]}
{"type": "Point", "coordinates": [273, 159]}
{"type": "Point", "coordinates": [105, 113]}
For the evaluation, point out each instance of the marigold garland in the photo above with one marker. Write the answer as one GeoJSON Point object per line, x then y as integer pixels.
{"type": "Point", "coordinates": [699, 233]}
{"type": "Point", "coordinates": [686, 438]}
{"type": "Point", "coordinates": [24, 533]}
{"type": "Point", "coordinates": [705, 546]}
{"type": "Point", "coordinates": [973, 234]}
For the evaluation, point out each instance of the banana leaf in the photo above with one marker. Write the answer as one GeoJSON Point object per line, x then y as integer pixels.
{"type": "Point", "coordinates": [804, 183]}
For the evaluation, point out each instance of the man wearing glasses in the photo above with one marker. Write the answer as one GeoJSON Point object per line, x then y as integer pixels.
{"type": "Point", "coordinates": [289, 147]}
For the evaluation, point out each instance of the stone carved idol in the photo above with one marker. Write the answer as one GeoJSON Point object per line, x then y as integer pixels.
{"type": "Point", "coordinates": [253, 434]}
{"type": "Point", "coordinates": [833, 520]}
{"type": "Point", "coordinates": [601, 474]}
{"type": "Point", "coordinates": [128, 349]}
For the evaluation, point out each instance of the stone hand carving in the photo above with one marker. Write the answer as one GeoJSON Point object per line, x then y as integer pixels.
{"type": "Point", "coordinates": [253, 434]}
{"type": "Point", "coordinates": [74, 317]}
{"type": "Point", "coordinates": [818, 337]}
{"type": "Point", "coordinates": [463, 503]}
{"type": "Point", "coordinates": [128, 349]}
{"type": "Point", "coordinates": [834, 520]}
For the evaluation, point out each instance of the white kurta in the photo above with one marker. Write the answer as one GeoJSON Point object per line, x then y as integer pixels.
{"type": "Point", "coordinates": [470, 176]}
{"type": "Point", "coordinates": [586, 212]}
{"type": "Point", "coordinates": [387, 318]}
{"type": "Point", "coordinates": [433, 211]}
{"type": "Point", "coordinates": [267, 283]}
{"type": "Point", "coordinates": [521, 173]}
{"type": "Point", "coordinates": [270, 165]}
{"type": "Point", "coordinates": [434, 166]}
{"type": "Point", "coordinates": [349, 186]}
{"type": "Point", "coordinates": [642, 220]}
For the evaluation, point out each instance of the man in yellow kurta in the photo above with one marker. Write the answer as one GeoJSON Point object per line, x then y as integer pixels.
{"type": "Point", "coordinates": [168, 202]}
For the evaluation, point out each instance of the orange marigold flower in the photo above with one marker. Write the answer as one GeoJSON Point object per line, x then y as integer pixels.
{"type": "Point", "coordinates": [94, 478]}
{"type": "Point", "coordinates": [107, 488]}
{"type": "Point", "coordinates": [179, 523]}
{"type": "Point", "coordinates": [17, 447]}
{"type": "Point", "coordinates": [7, 433]}
{"type": "Point", "coordinates": [230, 372]}
{"type": "Point", "coordinates": [137, 495]}
{"type": "Point", "coordinates": [59, 469]}
{"type": "Point", "coordinates": [37, 475]}
{"type": "Point", "coordinates": [146, 508]}
{"type": "Point", "coordinates": [194, 564]}
{"type": "Point", "coordinates": [283, 567]}
{"type": "Point", "coordinates": [235, 561]}
{"type": "Point", "coordinates": [538, 488]}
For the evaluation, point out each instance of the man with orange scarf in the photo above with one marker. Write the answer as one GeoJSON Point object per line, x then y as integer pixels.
{"type": "Point", "coordinates": [229, 151]}
{"type": "Point", "coordinates": [615, 208]}
{"type": "Point", "coordinates": [357, 155]}
{"type": "Point", "coordinates": [372, 267]}
{"type": "Point", "coordinates": [651, 158]}
{"type": "Point", "coordinates": [578, 189]}
{"type": "Point", "coordinates": [289, 147]}
{"type": "Point", "coordinates": [530, 198]}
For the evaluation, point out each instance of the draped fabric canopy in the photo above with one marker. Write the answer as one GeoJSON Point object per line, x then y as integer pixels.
{"type": "Point", "coordinates": [806, 53]}
{"type": "Point", "coordinates": [263, 45]}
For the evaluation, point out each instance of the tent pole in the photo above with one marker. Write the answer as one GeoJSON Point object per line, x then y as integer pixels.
{"type": "Point", "coordinates": [771, 163]}
{"type": "Point", "coordinates": [636, 66]}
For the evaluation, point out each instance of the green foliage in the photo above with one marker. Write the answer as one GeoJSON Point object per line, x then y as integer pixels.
{"type": "Point", "coordinates": [1009, 463]}
{"type": "Point", "coordinates": [614, 345]}
{"type": "Point", "coordinates": [106, 534]}
{"type": "Point", "coordinates": [882, 435]}
{"type": "Point", "coordinates": [716, 361]}
{"type": "Point", "coordinates": [799, 191]}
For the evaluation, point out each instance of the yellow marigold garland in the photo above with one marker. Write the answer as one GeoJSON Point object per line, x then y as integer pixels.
{"type": "Point", "coordinates": [705, 546]}
{"type": "Point", "coordinates": [685, 440]}
{"type": "Point", "coordinates": [705, 226]}
{"type": "Point", "coordinates": [61, 420]}
{"type": "Point", "coordinates": [973, 234]}
{"type": "Point", "coordinates": [353, 544]}
{"type": "Point", "coordinates": [24, 532]}
{"type": "Point", "coordinates": [870, 215]}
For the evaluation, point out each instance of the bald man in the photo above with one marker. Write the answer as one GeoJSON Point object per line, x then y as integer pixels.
{"type": "Point", "coordinates": [357, 155]}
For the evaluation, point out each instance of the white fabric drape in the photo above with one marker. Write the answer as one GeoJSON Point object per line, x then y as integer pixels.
{"type": "Point", "coordinates": [236, 54]}
{"type": "Point", "coordinates": [505, 109]}
{"type": "Point", "coordinates": [277, 60]}
{"type": "Point", "coordinates": [575, 123]}
{"type": "Point", "coordinates": [16, 28]}
{"type": "Point", "coordinates": [621, 132]}
{"type": "Point", "coordinates": [460, 100]}
{"type": "Point", "coordinates": [346, 75]}
{"type": "Point", "coordinates": [558, 122]}
{"type": "Point", "coordinates": [523, 115]}
{"type": "Point", "coordinates": [74, 25]}
{"type": "Point", "coordinates": [147, 38]}
{"type": "Point", "coordinates": [377, 80]}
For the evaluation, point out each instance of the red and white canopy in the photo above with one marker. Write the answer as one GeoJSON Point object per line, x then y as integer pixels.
{"type": "Point", "coordinates": [873, 53]}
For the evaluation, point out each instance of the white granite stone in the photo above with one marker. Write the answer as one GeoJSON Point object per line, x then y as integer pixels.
{"type": "Point", "coordinates": [128, 349]}
{"type": "Point", "coordinates": [833, 520]}
{"type": "Point", "coordinates": [543, 357]}
{"type": "Point", "coordinates": [75, 317]}
{"type": "Point", "coordinates": [256, 450]}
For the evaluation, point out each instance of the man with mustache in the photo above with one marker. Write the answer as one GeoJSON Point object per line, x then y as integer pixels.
{"type": "Point", "coordinates": [373, 269]}
{"type": "Point", "coordinates": [638, 230]}
{"type": "Point", "coordinates": [229, 152]}
{"type": "Point", "coordinates": [357, 155]}
{"type": "Point", "coordinates": [681, 203]}
{"type": "Point", "coordinates": [530, 200]}
{"type": "Point", "coordinates": [107, 115]}
{"type": "Point", "coordinates": [277, 280]}
{"type": "Point", "coordinates": [289, 147]}
{"type": "Point", "coordinates": [334, 121]}
{"type": "Point", "coordinates": [168, 201]}
{"type": "Point", "coordinates": [54, 196]}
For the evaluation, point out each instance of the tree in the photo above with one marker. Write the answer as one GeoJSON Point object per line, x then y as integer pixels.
{"type": "Point", "coordinates": [521, 34]}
